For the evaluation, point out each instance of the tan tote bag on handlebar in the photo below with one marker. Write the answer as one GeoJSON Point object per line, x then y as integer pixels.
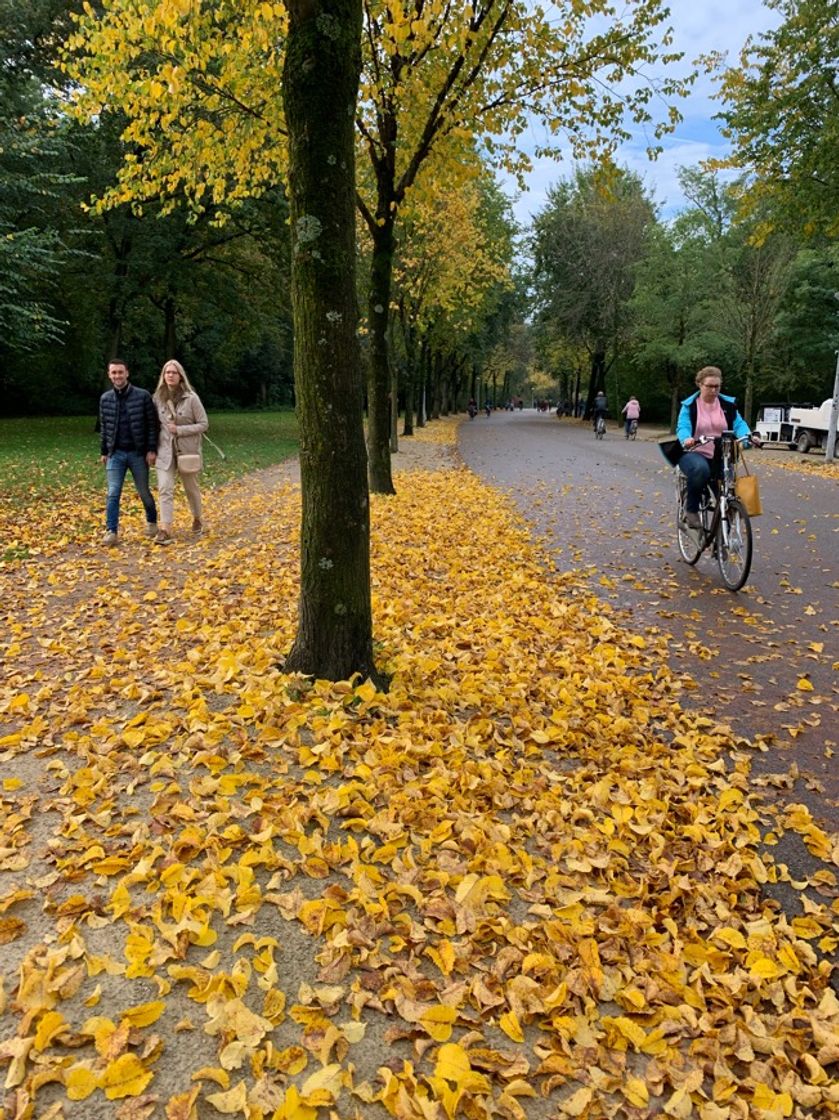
{"type": "Point", "coordinates": [746, 488]}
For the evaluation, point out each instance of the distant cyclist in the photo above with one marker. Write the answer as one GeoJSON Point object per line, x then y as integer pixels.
{"type": "Point", "coordinates": [631, 412]}
{"type": "Point", "coordinates": [600, 408]}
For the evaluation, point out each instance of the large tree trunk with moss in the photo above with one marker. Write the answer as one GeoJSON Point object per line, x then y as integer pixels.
{"type": "Point", "coordinates": [320, 87]}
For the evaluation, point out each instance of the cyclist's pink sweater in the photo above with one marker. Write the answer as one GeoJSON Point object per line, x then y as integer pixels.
{"type": "Point", "coordinates": [710, 421]}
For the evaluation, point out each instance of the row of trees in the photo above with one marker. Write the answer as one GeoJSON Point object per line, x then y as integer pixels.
{"type": "Point", "coordinates": [747, 276]}
{"type": "Point", "coordinates": [86, 272]}
{"type": "Point", "coordinates": [623, 302]}
{"type": "Point", "coordinates": [79, 284]}
{"type": "Point", "coordinates": [250, 132]}
{"type": "Point", "coordinates": [202, 90]}
{"type": "Point", "coordinates": [214, 107]}
{"type": "Point", "coordinates": [620, 300]}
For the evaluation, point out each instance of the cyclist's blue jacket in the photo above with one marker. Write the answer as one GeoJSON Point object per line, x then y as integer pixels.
{"type": "Point", "coordinates": [686, 424]}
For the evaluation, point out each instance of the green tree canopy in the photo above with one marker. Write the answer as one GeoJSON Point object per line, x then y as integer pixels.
{"type": "Point", "coordinates": [781, 111]}
{"type": "Point", "coordinates": [587, 242]}
{"type": "Point", "coordinates": [35, 152]}
{"type": "Point", "coordinates": [201, 90]}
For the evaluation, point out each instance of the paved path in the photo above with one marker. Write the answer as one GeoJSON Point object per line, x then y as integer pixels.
{"type": "Point", "coordinates": [610, 504]}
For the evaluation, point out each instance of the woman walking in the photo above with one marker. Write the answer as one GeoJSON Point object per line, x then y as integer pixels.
{"type": "Point", "coordinates": [183, 422]}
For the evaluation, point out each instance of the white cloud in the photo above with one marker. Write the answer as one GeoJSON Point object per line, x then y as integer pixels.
{"type": "Point", "coordinates": [700, 27]}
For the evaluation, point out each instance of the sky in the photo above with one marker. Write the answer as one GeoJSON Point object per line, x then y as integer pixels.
{"type": "Point", "coordinates": [699, 27]}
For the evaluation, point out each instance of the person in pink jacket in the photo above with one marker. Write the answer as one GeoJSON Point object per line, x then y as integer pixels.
{"type": "Point", "coordinates": [631, 411]}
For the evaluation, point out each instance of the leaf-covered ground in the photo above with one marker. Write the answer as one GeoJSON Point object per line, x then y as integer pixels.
{"type": "Point", "coordinates": [814, 464]}
{"type": "Point", "coordinates": [522, 884]}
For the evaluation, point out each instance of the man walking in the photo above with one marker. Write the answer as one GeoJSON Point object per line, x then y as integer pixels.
{"type": "Point", "coordinates": [128, 425]}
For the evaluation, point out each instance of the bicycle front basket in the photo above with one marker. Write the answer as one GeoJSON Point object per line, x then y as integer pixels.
{"type": "Point", "coordinates": [671, 449]}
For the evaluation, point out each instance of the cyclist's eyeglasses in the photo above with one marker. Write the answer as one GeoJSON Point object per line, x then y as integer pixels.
{"type": "Point", "coordinates": [708, 385]}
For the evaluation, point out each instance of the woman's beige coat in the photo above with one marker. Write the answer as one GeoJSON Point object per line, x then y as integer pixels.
{"type": "Point", "coordinates": [192, 423]}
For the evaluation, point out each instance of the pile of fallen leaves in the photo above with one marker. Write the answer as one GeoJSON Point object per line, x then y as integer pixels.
{"type": "Point", "coordinates": [818, 467]}
{"type": "Point", "coordinates": [43, 522]}
{"type": "Point", "coordinates": [522, 884]}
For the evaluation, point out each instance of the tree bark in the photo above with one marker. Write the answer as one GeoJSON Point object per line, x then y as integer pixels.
{"type": "Point", "coordinates": [170, 338]}
{"type": "Point", "coordinates": [597, 380]}
{"type": "Point", "coordinates": [320, 88]}
{"type": "Point", "coordinates": [422, 385]}
{"type": "Point", "coordinates": [379, 391]}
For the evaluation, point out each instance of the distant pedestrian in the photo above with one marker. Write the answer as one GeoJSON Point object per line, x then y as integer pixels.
{"type": "Point", "coordinates": [183, 422]}
{"type": "Point", "coordinates": [631, 412]}
{"type": "Point", "coordinates": [128, 431]}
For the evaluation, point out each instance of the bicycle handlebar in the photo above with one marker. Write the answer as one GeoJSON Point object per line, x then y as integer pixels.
{"type": "Point", "coordinates": [713, 439]}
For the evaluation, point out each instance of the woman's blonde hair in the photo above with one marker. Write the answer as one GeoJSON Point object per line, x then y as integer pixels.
{"type": "Point", "coordinates": [163, 392]}
{"type": "Point", "coordinates": [708, 371]}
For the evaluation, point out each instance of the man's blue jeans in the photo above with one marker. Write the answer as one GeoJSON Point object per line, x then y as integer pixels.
{"type": "Point", "coordinates": [697, 470]}
{"type": "Point", "coordinates": [119, 462]}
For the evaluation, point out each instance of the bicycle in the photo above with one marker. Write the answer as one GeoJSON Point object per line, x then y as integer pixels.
{"type": "Point", "coordinates": [600, 427]}
{"type": "Point", "coordinates": [632, 431]}
{"type": "Point", "coordinates": [725, 523]}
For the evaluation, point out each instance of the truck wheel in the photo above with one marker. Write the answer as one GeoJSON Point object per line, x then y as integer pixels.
{"type": "Point", "coordinates": [803, 443]}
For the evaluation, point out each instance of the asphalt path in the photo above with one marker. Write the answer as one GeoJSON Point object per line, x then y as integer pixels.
{"type": "Point", "coordinates": [763, 659]}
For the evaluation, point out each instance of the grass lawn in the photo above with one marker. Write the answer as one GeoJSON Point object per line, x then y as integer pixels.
{"type": "Point", "coordinates": [42, 455]}
{"type": "Point", "coordinates": [52, 484]}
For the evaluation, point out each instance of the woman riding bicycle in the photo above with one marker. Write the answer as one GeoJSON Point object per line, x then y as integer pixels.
{"type": "Point", "coordinates": [632, 413]}
{"type": "Point", "coordinates": [705, 413]}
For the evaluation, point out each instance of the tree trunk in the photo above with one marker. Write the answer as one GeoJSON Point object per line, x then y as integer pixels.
{"type": "Point", "coordinates": [597, 380]}
{"type": "Point", "coordinates": [169, 334]}
{"type": "Point", "coordinates": [436, 362]}
{"type": "Point", "coordinates": [394, 411]}
{"type": "Point", "coordinates": [410, 372]}
{"type": "Point", "coordinates": [748, 395]}
{"type": "Point", "coordinates": [411, 378]}
{"type": "Point", "coordinates": [320, 86]}
{"type": "Point", "coordinates": [422, 403]}
{"type": "Point", "coordinates": [675, 395]}
{"type": "Point", "coordinates": [114, 329]}
{"type": "Point", "coordinates": [379, 389]}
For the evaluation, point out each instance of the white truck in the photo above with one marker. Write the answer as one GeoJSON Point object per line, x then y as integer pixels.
{"type": "Point", "coordinates": [810, 426]}
{"type": "Point", "coordinates": [797, 426]}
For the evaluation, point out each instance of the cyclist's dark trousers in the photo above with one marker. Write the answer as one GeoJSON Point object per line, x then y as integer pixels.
{"type": "Point", "coordinates": [697, 469]}
{"type": "Point", "coordinates": [598, 412]}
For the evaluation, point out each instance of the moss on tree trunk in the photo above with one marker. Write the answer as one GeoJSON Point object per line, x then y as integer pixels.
{"type": "Point", "coordinates": [320, 88]}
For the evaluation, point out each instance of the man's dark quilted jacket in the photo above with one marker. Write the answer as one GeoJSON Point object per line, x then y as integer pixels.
{"type": "Point", "coordinates": [142, 419]}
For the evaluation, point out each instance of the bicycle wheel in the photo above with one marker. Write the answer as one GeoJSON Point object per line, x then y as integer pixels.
{"type": "Point", "coordinates": [600, 430]}
{"type": "Point", "coordinates": [687, 539]}
{"type": "Point", "coordinates": [734, 545]}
